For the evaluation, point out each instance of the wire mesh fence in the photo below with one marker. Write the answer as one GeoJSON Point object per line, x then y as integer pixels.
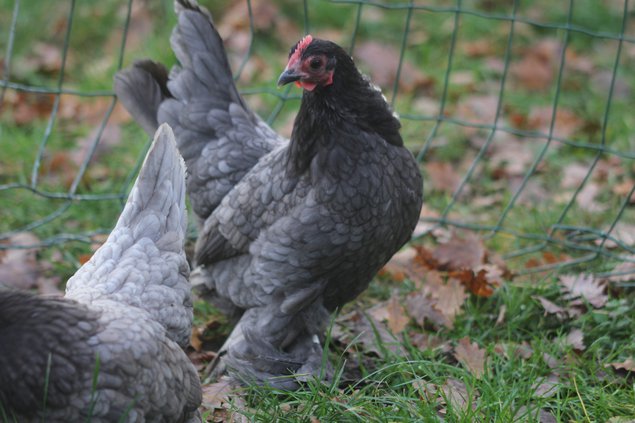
{"type": "Point", "coordinates": [520, 114]}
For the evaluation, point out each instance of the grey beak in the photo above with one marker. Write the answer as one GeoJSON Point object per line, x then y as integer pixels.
{"type": "Point", "coordinates": [287, 76]}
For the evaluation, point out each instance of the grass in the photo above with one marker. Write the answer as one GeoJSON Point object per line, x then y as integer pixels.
{"type": "Point", "coordinates": [392, 387]}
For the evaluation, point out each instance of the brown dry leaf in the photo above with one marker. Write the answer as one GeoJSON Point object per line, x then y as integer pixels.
{"type": "Point", "coordinates": [43, 58]}
{"type": "Point", "coordinates": [585, 286]}
{"type": "Point", "coordinates": [422, 308]}
{"type": "Point", "coordinates": [628, 365]}
{"type": "Point", "coordinates": [477, 109]}
{"type": "Point", "coordinates": [443, 176]}
{"type": "Point", "coordinates": [523, 350]}
{"type": "Point", "coordinates": [622, 232]}
{"type": "Point", "coordinates": [425, 258]}
{"type": "Point", "coordinates": [624, 188]}
{"type": "Point", "coordinates": [110, 138]}
{"type": "Point", "coordinates": [359, 328]}
{"type": "Point", "coordinates": [195, 339]}
{"type": "Point", "coordinates": [525, 414]}
{"type": "Point", "coordinates": [18, 266]}
{"type": "Point", "coordinates": [512, 157]}
{"type": "Point", "coordinates": [551, 308]}
{"type": "Point", "coordinates": [450, 298]}
{"type": "Point", "coordinates": [501, 315]}
{"type": "Point", "coordinates": [547, 387]}
{"type": "Point", "coordinates": [218, 398]}
{"type": "Point", "coordinates": [428, 390]}
{"type": "Point", "coordinates": [586, 198]}
{"type": "Point", "coordinates": [547, 258]}
{"type": "Point", "coordinates": [456, 395]}
{"type": "Point", "coordinates": [477, 283]}
{"type": "Point", "coordinates": [428, 341]}
{"type": "Point", "coordinates": [92, 111]}
{"type": "Point", "coordinates": [27, 107]}
{"type": "Point", "coordinates": [573, 174]}
{"type": "Point", "coordinates": [392, 312]}
{"type": "Point", "coordinates": [471, 356]}
{"type": "Point", "coordinates": [575, 339]}
{"type": "Point", "coordinates": [402, 266]}
{"type": "Point", "coordinates": [479, 48]}
{"type": "Point", "coordinates": [536, 70]}
{"type": "Point", "coordinates": [461, 252]}
{"type": "Point", "coordinates": [453, 393]}
{"type": "Point", "coordinates": [382, 60]}
{"type": "Point", "coordinates": [550, 360]}
{"type": "Point", "coordinates": [624, 272]}
{"type": "Point", "coordinates": [397, 319]}
{"type": "Point", "coordinates": [566, 125]}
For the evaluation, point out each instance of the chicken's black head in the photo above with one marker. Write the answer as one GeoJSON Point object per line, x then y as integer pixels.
{"type": "Point", "coordinates": [311, 63]}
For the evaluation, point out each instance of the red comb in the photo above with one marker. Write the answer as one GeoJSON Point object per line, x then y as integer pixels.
{"type": "Point", "coordinates": [304, 42]}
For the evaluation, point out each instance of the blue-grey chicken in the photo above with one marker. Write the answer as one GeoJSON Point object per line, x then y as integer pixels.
{"type": "Point", "coordinates": [112, 349]}
{"type": "Point", "coordinates": [290, 230]}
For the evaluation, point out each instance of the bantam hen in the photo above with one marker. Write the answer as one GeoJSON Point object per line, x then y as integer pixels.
{"type": "Point", "coordinates": [111, 350]}
{"type": "Point", "coordinates": [290, 229]}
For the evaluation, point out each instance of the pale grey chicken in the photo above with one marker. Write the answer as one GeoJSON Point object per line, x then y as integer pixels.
{"type": "Point", "coordinates": [290, 229]}
{"type": "Point", "coordinates": [112, 349]}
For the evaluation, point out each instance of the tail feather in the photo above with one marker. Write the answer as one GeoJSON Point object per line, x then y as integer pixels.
{"type": "Point", "coordinates": [141, 89]}
{"type": "Point", "coordinates": [142, 263]}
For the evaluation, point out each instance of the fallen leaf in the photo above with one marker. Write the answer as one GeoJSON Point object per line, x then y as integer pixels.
{"type": "Point", "coordinates": [501, 315]}
{"type": "Point", "coordinates": [382, 60]}
{"type": "Point", "coordinates": [551, 308]}
{"type": "Point", "coordinates": [534, 415]}
{"type": "Point", "coordinates": [450, 298]}
{"type": "Point", "coordinates": [459, 252]}
{"type": "Point", "coordinates": [547, 387]}
{"type": "Point", "coordinates": [510, 349]}
{"type": "Point", "coordinates": [428, 341]}
{"type": "Point", "coordinates": [359, 328]}
{"type": "Point", "coordinates": [397, 319]}
{"type": "Point", "coordinates": [392, 312]}
{"type": "Point", "coordinates": [550, 360]}
{"type": "Point", "coordinates": [219, 397]}
{"type": "Point", "coordinates": [536, 69]}
{"type": "Point", "coordinates": [402, 265]}
{"type": "Point", "coordinates": [628, 365]}
{"type": "Point", "coordinates": [622, 232]}
{"type": "Point", "coordinates": [476, 109]}
{"type": "Point", "coordinates": [585, 286]}
{"type": "Point", "coordinates": [575, 339]}
{"type": "Point", "coordinates": [423, 308]}
{"type": "Point", "coordinates": [586, 198]}
{"type": "Point", "coordinates": [18, 266]}
{"type": "Point", "coordinates": [512, 157]}
{"type": "Point", "coordinates": [624, 272]}
{"type": "Point", "coordinates": [456, 395]}
{"type": "Point", "coordinates": [443, 176]}
{"type": "Point", "coordinates": [573, 174]}
{"type": "Point", "coordinates": [479, 48]}
{"type": "Point", "coordinates": [108, 139]}
{"type": "Point", "coordinates": [28, 107]}
{"type": "Point", "coordinates": [566, 122]}
{"type": "Point", "coordinates": [625, 188]}
{"type": "Point", "coordinates": [453, 392]}
{"type": "Point", "coordinates": [477, 283]}
{"type": "Point", "coordinates": [471, 356]}
{"type": "Point", "coordinates": [195, 339]}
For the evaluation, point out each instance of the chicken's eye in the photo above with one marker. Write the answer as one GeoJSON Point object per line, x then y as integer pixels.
{"type": "Point", "coordinates": [315, 64]}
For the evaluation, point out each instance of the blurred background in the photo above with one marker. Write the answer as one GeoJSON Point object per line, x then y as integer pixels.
{"type": "Point", "coordinates": [521, 114]}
